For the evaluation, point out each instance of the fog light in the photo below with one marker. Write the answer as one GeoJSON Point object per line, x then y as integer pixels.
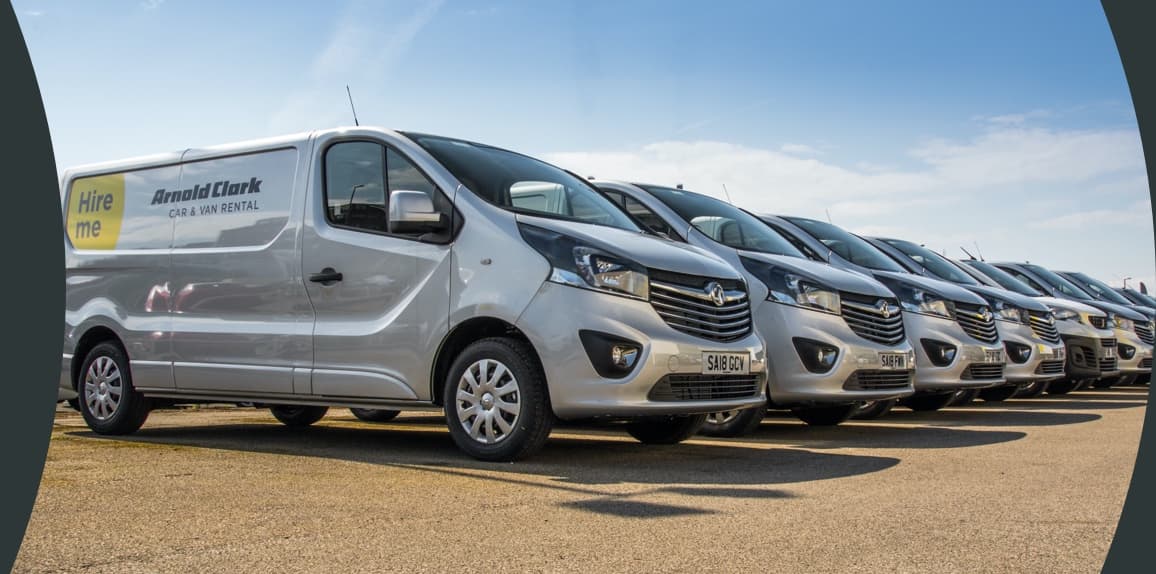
{"type": "Point", "coordinates": [611, 356]}
{"type": "Point", "coordinates": [1126, 351]}
{"type": "Point", "coordinates": [1017, 353]}
{"type": "Point", "coordinates": [623, 356]}
{"type": "Point", "coordinates": [941, 354]}
{"type": "Point", "coordinates": [818, 357]}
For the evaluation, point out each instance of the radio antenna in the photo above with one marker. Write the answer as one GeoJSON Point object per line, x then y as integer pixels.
{"type": "Point", "coordinates": [978, 251]}
{"type": "Point", "coordinates": [350, 94]}
{"type": "Point", "coordinates": [728, 194]}
{"type": "Point", "coordinates": [963, 249]}
{"type": "Point", "coordinates": [828, 216]}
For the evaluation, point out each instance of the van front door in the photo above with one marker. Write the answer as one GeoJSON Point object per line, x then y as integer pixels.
{"type": "Point", "coordinates": [380, 296]}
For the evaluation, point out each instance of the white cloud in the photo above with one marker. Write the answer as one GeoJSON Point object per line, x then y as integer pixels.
{"type": "Point", "coordinates": [33, 13]}
{"type": "Point", "coordinates": [799, 149]}
{"type": "Point", "coordinates": [151, 4]}
{"type": "Point", "coordinates": [1139, 213]}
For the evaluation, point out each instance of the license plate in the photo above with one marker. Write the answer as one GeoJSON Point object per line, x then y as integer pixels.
{"type": "Point", "coordinates": [725, 363]}
{"type": "Point", "coordinates": [993, 356]}
{"type": "Point", "coordinates": [1109, 352]}
{"type": "Point", "coordinates": [893, 360]}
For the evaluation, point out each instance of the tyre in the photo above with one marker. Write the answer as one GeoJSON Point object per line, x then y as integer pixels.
{"type": "Point", "coordinates": [108, 401]}
{"type": "Point", "coordinates": [963, 397]}
{"type": "Point", "coordinates": [73, 404]}
{"type": "Point", "coordinates": [375, 415]}
{"type": "Point", "coordinates": [927, 402]}
{"type": "Point", "coordinates": [665, 430]}
{"type": "Point", "coordinates": [998, 394]}
{"type": "Point", "coordinates": [873, 409]}
{"type": "Point", "coordinates": [733, 423]}
{"type": "Point", "coordinates": [1061, 386]}
{"type": "Point", "coordinates": [298, 415]}
{"type": "Point", "coordinates": [824, 416]}
{"type": "Point", "coordinates": [496, 402]}
{"type": "Point", "coordinates": [1032, 390]}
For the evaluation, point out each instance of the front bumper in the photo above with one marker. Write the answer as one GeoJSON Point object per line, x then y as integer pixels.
{"type": "Point", "coordinates": [1045, 363]}
{"type": "Point", "coordinates": [667, 357]}
{"type": "Point", "coordinates": [64, 389]}
{"type": "Point", "coordinates": [1136, 364]}
{"type": "Point", "coordinates": [970, 353]}
{"type": "Point", "coordinates": [857, 375]}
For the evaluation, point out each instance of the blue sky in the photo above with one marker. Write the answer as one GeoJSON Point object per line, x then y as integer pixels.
{"type": "Point", "coordinates": [1003, 123]}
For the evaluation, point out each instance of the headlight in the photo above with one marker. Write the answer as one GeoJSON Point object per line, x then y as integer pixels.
{"type": "Point", "coordinates": [580, 265]}
{"type": "Point", "coordinates": [917, 300]}
{"type": "Point", "coordinates": [1120, 322]}
{"type": "Point", "coordinates": [1008, 312]}
{"type": "Point", "coordinates": [1063, 314]}
{"type": "Point", "coordinates": [792, 288]}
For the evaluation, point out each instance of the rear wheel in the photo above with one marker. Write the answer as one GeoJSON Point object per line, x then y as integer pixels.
{"type": "Point", "coordinates": [496, 403]}
{"type": "Point", "coordinates": [927, 401]}
{"type": "Point", "coordinates": [298, 415]}
{"type": "Point", "coordinates": [375, 415]}
{"type": "Point", "coordinates": [873, 409]}
{"type": "Point", "coordinates": [824, 416]}
{"type": "Point", "coordinates": [1062, 386]}
{"type": "Point", "coordinates": [733, 423]}
{"type": "Point", "coordinates": [998, 394]}
{"type": "Point", "coordinates": [665, 430]}
{"type": "Point", "coordinates": [107, 400]}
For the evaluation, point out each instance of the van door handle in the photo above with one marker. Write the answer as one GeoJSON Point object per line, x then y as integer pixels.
{"type": "Point", "coordinates": [328, 276]}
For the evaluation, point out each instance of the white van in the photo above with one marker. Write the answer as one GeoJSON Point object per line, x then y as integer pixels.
{"type": "Point", "coordinates": [373, 269]}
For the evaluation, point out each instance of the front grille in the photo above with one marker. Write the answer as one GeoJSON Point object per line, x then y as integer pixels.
{"type": "Point", "coordinates": [1145, 333]}
{"type": "Point", "coordinates": [983, 372]}
{"type": "Point", "coordinates": [683, 301]}
{"type": "Point", "coordinates": [1146, 363]}
{"type": "Point", "coordinates": [1044, 326]}
{"type": "Point", "coordinates": [1108, 343]}
{"type": "Point", "coordinates": [1052, 367]}
{"type": "Point", "coordinates": [693, 387]}
{"type": "Point", "coordinates": [976, 321]}
{"type": "Point", "coordinates": [865, 316]}
{"type": "Point", "coordinates": [877, 380]}
{"type": "Point", "coordinates": [1098, 322]}
{"type": "Point", "coordinates": [1107, 365]}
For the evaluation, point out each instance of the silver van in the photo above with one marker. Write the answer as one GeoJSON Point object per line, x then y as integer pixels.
{"type": "Point", "coordinates": [382, 270]}
{"type": "Point", "coordinates": [953, 330]}
{"type": "Point", "coordinates": [1035, 351]}
{"type": "Point", "coordinates": [834, 338]}
{"type": "Point", "coordinates": [1130, 327]}
{"type": "Point", "coordinates": [1089, 342]}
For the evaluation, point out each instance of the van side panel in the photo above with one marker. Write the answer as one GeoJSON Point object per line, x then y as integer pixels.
{"type": "Point", "coordinates": [241, 318]}
{"type": "Point", "coordinates": [117, 266]}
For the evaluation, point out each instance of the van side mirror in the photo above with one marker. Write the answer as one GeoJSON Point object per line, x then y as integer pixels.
{"type": "Point", "coordinates": [413, 212]}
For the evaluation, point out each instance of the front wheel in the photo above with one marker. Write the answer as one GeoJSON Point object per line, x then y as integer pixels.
{"type": "Point", "coordinates": [867, 410]}
{"type": "Point", "coordinates": [733, 423]}
{"type": "Point", "coordinates": [1062, 386]}
{"type": "Point", "coordinates": [108, 401]}
{"type": "Point", "coordinates": [825, 416]}
{"type": "Point", "coordinates": [298, 416]}
{"type": "Point", "coordinates": [1032, 390]}
{"type": "Point", "coordinates": [496, 402]}
{"type": "Point", "coordinates": [998, 394]}
{"type": "Point", "coordinates": [963, 397]}
{"type": "Point", "coordinates": [1106, 382]}
{"type": "Point", "coordinates": [665, 430]}
{"type": "Point", "coordinates": [927, 402]}
{"type": "Point", "coordinates": [375, 415]}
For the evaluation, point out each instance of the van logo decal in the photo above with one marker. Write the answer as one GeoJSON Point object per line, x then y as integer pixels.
{"type": "Point", "coordinates": [223, 188]}
{"type": "Point", "coordinates": [716, 293]}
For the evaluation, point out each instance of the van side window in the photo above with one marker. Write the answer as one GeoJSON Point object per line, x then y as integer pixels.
{"type": "Point", "coordinates": [355, 186]}
{"type": "Point", "coordinates": [648, 218]}
{"type": "Point", "coordinates": [1035, 284]}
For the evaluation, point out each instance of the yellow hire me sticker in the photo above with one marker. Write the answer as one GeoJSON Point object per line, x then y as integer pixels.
{"type": "Point", "coordinates": [95, 211]}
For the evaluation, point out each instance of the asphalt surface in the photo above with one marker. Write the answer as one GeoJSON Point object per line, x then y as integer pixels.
{"type": "Point", "coordinates": [1027, 485]}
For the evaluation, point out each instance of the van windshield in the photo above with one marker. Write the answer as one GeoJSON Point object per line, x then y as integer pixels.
{"type": "Point", "coordinates": [1002, 278]}
{"type": "Point", "coordinates": [1059, 283]}
{"type": "Point", "coordinates": [522, 184]}
{"type": "Point", "coordinates": [847, 245]}
{"type": "Point", "coordinates": [1100, 288]}
{"type": "Point", "coordinates": [933, 262]}
{"type": "Point", "coordinates": [724, 222]}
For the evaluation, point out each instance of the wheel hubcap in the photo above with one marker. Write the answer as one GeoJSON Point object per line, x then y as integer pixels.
{"type": "Point", "coordinates": [488, 402]}
{"type": "Point", "coordinates": [103, 388]}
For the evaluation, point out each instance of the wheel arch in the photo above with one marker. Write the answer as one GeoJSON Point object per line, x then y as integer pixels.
{"type": "Point", "coordinates": [461, 336]}
{"type": "Point", "coordinates": [92, 337]}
